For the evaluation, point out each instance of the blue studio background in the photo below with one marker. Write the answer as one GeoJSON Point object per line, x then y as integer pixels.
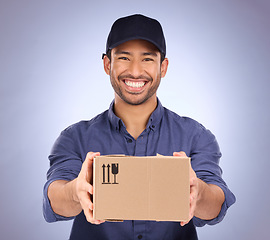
{"type": "Point", "coordinates": [51, 75]}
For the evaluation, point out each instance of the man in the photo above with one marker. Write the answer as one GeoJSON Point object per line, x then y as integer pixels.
{"type": "Point", "coordinates": [135, 124]}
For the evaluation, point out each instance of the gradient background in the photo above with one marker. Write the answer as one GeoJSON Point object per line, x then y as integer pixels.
{"type": "Point", "coordinates": [51, 75]}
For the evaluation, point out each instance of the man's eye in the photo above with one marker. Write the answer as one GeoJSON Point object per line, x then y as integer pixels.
{"type": "Point", "coordinates": [148, 59]}
{"type": "Point", "coordinates": [123, 58]}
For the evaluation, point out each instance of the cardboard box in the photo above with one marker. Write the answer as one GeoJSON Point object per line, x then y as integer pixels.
{"type": "Point", "coordinates": [141, 188]}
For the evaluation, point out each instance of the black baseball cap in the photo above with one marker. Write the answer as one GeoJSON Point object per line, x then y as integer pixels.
{"type": "Point", "coordinates": [136, 26]}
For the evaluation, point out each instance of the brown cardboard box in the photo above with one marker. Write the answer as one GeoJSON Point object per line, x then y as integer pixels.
{"type": "Point", "coordinates": [141, 188]}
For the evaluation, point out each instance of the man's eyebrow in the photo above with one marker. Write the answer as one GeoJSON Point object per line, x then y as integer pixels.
{"type": "Point", "coordinates": [122, 52]}
{"type": "Point", "coordinates": [150, 54]}
{"type": "Point", "coordinates": [118, 52]}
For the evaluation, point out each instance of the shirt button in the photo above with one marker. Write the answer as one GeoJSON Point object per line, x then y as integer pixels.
{"type": "Point", "coordinates": [140, 237]}
{"type": "Point", "coordinates": [129, 140]}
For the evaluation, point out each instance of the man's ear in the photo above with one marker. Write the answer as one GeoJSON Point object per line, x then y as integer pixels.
{"type": "Point", "coordinates": [164, 67]}
{"type": "Point", "coordinates": [107, 64]}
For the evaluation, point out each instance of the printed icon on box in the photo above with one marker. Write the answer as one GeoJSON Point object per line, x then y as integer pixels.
{"type": "Point", "coordinates": [115, 171]}
{"type": "Point", "coordinates": [107, 173]}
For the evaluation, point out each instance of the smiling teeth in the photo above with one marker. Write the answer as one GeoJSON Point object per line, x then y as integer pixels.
{"type": "Point", "coordinates": [135, 84]}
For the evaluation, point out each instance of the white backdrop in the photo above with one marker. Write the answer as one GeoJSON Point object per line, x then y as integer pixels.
{"type": "Point", "coordinates": [51, 75]}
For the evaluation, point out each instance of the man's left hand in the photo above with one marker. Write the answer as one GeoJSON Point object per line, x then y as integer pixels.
{"type": "Point", "coordinates": [194, 189]}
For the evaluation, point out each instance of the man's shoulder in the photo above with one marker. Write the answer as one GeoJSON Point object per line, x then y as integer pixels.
{"type": "Point", "coordinates": [186, 125]}
{"type": "Point", "coordinates": [97, 121]}
{"type": "Point", "coordinates": [181, 120]}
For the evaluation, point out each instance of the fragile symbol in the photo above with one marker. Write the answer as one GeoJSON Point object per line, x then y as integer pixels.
{"type": "Point", "coordinates": [106, 173]}
{"type": "Point", "coordinates": [115, 171]}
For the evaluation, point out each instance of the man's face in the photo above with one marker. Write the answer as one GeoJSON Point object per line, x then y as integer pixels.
{"type": "Point", "coordinates": [135, 71]}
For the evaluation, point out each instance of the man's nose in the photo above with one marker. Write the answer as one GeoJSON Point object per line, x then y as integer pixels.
{"type": "Point", "coordinates": [136, 69]}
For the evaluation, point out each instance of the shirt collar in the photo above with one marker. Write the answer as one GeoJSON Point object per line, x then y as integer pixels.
{"type": "Point", "coordinates": [153, 123]}
{"type": "Point", "coordinates": [115, 121]}
{"type": "Point", "coordinates": [156, 116]}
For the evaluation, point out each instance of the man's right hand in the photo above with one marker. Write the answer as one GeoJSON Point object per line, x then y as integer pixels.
{"type": "Point", "coordinates": [83, 188]}
{"type": "Point", "coordinates": [69, 198]}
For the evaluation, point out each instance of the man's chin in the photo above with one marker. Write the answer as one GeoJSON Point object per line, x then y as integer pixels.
{"type": "Point", "coordinates": [135, 100]}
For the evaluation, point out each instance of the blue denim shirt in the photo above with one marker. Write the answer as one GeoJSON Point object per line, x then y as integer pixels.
{"type": "Point", "coordinates": [166, 132]}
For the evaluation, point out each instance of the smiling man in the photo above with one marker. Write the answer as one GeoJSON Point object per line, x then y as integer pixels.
{"type": "Point", "coordinates": [135, 124]}
{"type": "Point", "coordinates": [135, 71]}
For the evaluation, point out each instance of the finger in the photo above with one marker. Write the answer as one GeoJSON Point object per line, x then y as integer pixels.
{"type": "Point", "coordinates": [193, 183]}
{"type": "Point", "coordinates": [191, 211]}
{"type": "Point", "coordinates": [83, 193]}
{"type": "Point", "coordinates": [89, 217]}
{"type": "Point", "coordinates": [192, 206]}
{"type": "Point", "coordinates": [83, 185]}
{"type": "Point", "coordinates": [85, 201]}
{"type": "Point", "coordinates": [183, 223]}
{"type": "Point", "coordinates": [88, 162]}
{"type": "Point", "coordinates": [180, 154]}
{"type": "Point", "coordinates": [86, 187]}
{"type": "Point", "coordinates": [87, 167]}
{"type": "Point", "coordinates": [98, 221]}
{"type": "Point", "coordinates": [91, 155]}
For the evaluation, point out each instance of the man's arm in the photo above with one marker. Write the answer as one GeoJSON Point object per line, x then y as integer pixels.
{"type": "Point", "coordinates": [62, 198]}
{"type": "Point", "coordinates": [205, 199]}
{"type": "Point", "coordinates": [69, 198]}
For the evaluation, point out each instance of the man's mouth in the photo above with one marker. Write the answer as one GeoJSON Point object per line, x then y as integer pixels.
{"type": "Point", "coordinates": [134, 84]}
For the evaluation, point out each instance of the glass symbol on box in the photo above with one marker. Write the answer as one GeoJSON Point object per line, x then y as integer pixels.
{"type": "Point", "coordinates": [107, 173]}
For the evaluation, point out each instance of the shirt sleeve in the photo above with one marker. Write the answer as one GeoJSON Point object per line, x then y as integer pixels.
{"type": "Point", "coordinates": [205, 157]}
{"type": "Point", "coordinates": [65, 164]}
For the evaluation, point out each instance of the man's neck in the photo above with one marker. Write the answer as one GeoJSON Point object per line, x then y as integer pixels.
{"type": "Point", "coordinates": [135, 117]}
